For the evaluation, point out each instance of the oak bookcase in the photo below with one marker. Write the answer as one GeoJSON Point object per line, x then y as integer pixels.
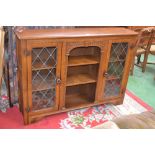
{"type": "Point", "coordinates": [66, 69]}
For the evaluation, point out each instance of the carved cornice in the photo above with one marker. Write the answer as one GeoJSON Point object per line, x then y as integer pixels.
{"type": "Point", "coordinates": [72, 45]}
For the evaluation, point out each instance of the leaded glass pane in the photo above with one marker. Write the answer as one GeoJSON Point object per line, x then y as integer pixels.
{"type": "Point", "coordinates": [118, 51]}
{"type": "Point", "coordinates": [112, 88]}
{"type": "Point", "coordinates": [115, 69]}
{"type": "Point", "coordinates": [43, 99]}
{"type": "Point", "coordinates": [43, 79]}
{"type": "Point", "coordinates": [43, 57]}
{"type": "Point", "coordinates": [44, 62]}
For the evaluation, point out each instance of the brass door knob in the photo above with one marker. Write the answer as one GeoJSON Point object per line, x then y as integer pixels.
{"type": "Point", "coordinates": [105, 74]}
{"type": "Point", "coordinates": [58, 81]}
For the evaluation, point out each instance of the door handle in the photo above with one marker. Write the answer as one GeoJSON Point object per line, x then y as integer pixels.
{"type": "Point", "coordinates": [58, 81]}
{"type": "Point", "coordinates": [106, 74]}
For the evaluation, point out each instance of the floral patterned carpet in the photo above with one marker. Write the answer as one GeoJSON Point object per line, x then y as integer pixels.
{"type": "Point", "coordinates": [78, 119]}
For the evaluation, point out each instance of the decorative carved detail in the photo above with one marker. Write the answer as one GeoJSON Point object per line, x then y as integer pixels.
{"type": "Point", "coordinates": [68, 53]}
{"type": "Point", "coordinates": [44, 42]}
{"type": "Point", "coordinates": [72, 45]}
{"type": "Point", "coordinates": [132, 45]}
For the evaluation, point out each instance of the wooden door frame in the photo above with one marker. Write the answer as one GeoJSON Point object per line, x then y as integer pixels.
{"type": "Point", "coordinates": [38, 44]}
{"type": "Point", "coordinates": [126, 68]}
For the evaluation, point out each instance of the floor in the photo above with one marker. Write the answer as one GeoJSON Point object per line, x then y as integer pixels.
{"type": "Point", "coordinates": [143, 84]}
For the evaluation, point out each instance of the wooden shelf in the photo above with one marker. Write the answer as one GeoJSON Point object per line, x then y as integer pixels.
{"type": "Point", "coordinates": [111, 77]}
{"type": "Point", "coordinates": [116, 60]}
{"type": "Point", "coordinates": [76, 100]}
{"type": "Point", "coordinates": [41, 89]}
{"type": "Point", "coordinates": [80, 79]}
{"type": "Point", "coordinates": [82, 60]}
{"type": "Point", "coordinates": [42, 86]}
{"type": "Point", "coordinates": [39, 66]}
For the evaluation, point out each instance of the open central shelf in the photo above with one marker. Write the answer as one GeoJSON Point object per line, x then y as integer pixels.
{"type": "Point", "coordinates": [79, 95]}
{"type": "Point", "coordinates": [82, 60]}
{"type": "Point", "coordinates": [77, 79]}
{"type": "Point", "coordinates": [82, 74]}
{"type": "Point", "coordinates": [76, 100]}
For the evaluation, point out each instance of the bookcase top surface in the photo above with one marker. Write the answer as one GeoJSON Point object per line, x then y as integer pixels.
{"type": "Point", "coordinates": [73, 33]}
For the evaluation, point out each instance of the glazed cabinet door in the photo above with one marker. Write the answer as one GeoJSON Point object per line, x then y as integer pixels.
{"type": "Point", "coordinates": [43, 60]}
{"type": "Point", "coordinates": [116, 70]}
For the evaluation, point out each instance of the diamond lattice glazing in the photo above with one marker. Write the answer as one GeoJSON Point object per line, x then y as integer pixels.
{"type": "Point", "coordinates": [43, 77]}
{"type": "Point", "coordinates": [115, 69]}
{"type": "Point", "coordinates": [44, 57]}
{"type": "Point", "coordinates": [112, 88]}
{"type": "Point", "coordinates": [43, 99]}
